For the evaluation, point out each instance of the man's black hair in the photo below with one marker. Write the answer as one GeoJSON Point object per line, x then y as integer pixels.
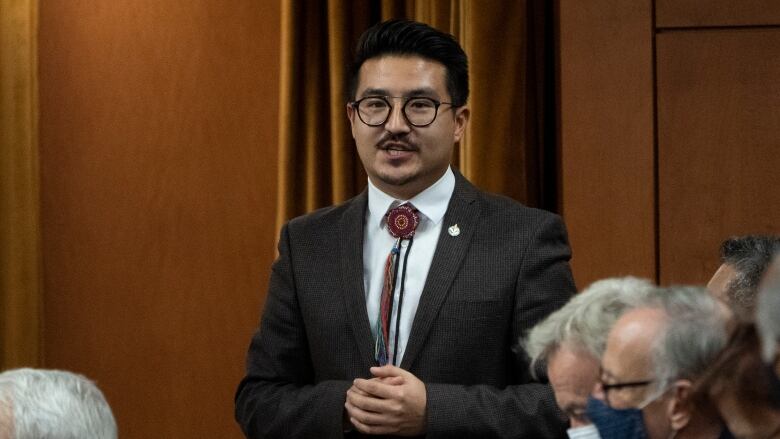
{"type": "Point", "coordinates": [411, 38]}
{"type": "Point", "coordinates": [749, 256]}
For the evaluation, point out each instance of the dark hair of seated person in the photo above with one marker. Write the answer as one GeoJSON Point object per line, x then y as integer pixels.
{"type": "Point", "coordinates": [738, 371]}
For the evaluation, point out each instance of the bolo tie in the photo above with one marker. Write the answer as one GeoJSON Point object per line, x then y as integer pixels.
{"type": "Point", "coordinates": [402, 222]}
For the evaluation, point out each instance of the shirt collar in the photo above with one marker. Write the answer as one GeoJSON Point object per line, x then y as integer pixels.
{"type": "Point", "coordinates": [432, 202]}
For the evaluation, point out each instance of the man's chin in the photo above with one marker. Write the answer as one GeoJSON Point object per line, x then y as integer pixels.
{"type": "Point", "coordinates": [398, 181]}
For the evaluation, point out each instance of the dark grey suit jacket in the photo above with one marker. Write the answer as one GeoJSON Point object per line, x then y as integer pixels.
{"type": "Point", "coordinates": [486, 287]}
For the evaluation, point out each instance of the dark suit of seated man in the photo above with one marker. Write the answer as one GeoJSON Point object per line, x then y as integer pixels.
{"type": "Point", "coordinates": [396, 313]}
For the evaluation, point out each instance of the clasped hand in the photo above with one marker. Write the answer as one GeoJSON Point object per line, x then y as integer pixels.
{"type": "Point", "coordinates": [393, 402]}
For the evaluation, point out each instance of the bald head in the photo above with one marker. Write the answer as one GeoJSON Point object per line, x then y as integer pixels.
{"type": "Point", "coordinates": [655, 352]}
{"type": "Point", "coordinates": [628, 356]}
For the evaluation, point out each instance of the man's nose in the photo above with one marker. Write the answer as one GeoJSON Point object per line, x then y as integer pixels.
{"type": "Point", "coordinates": [396, 121]}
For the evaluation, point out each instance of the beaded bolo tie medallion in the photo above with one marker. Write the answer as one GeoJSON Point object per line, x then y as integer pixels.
{"type": "Point", "coordinates": [402, 221]}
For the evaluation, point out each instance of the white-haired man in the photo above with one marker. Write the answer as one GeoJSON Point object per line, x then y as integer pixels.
{"type": "Point", "coordinates": [654, 353]}
{"type": "Point", "coordinates": [571, 342]}
{"type": "Point", "coordinates": [54, 404]}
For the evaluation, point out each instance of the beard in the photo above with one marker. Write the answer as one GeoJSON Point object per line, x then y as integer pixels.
{"type": "Point", "coordinates": [396, 179]}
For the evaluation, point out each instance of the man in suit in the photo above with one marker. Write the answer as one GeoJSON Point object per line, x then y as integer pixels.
{"type": "Point", "coordinates": [365, 333]}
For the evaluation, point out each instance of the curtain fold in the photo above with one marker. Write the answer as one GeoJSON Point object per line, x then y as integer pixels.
{"type": "Point", "coordinates": [317, 162]}
{"type": "Point", "coordinates": [509, 146]}
{"type": "Point", "coordinates": [20, 272]}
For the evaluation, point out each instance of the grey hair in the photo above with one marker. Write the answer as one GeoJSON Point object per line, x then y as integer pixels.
{"type": "Point", "coordinates": [55, 404]}
{"type": "Point", "coordinates": [693, 335]}
{"type": "Point", "coordinates": [586, 319]}
{"type": "Point", "coordinates": [768, 310]}
{"type": "Point", "coordinates": [750, 256]}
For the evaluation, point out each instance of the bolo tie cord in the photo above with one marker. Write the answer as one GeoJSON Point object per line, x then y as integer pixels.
{"type": "Point", "coordinates": [400, 298]}
{"type": "Point", "coordinates": [396, 261]}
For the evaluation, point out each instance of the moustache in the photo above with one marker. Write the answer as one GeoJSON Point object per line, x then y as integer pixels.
{"type": "Point", "coordinates": [399, 145]}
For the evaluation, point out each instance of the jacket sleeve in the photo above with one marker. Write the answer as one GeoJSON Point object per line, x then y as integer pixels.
{"type": "Point", "coordinates": [526, 409]}
{"type": "Point", "coordinates": [278, 397]}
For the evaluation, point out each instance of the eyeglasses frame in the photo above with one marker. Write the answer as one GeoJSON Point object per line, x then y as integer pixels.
{"type": "Point", "coordinates": [605, 387]}
{"type": "Point", "coordinates": [406, 100]}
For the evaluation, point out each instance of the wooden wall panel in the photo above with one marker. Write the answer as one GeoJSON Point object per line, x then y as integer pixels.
{"type": "Point", "coordinates": [606, 129]}
{"type": "Point", "coordinates": [698, 13]}
{"type": "Point", "coordinates": [158, 158]}
{"type": "Point", "coordinates": [719, 144]}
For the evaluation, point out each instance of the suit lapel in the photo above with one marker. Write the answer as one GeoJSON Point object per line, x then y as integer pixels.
{"type": "Point", "coordinates": [450, 251]}
{"type": "Point", "coordinates": [351, 252]}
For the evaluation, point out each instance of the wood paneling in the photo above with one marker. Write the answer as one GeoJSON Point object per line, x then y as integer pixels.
{"type": "Point", "coordinates": [606, 120]}
{"type": "Point", "coordinates": [719, 144]}
{"type": "Point", "coordinates": [698, 13]}
{"type": "Point", "coordinates": [158, 157]}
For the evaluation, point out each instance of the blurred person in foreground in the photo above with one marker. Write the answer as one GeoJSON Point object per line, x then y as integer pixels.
{"type": "Point", "coordinates": [653, 355]}
{"type": "Point", "coordinates": [743, 382]}
{"type": "Point", "coordinates": [52, 404]}
{"type": "Point", "coordinates": [744, 259]}
{"type": "Point", "coordinates": [571, 341]}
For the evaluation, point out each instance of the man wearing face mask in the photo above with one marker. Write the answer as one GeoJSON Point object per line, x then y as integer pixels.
{"type": "Point", "coordinates": [653, 355]}
{"type": "Point", "coordinates": [571, 342]}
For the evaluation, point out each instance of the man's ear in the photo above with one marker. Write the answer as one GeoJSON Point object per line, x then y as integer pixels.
{"type": "Point", "coordinates": [679, 409]}
{"type": "Point", "coordinates": [461, 120]}
{"type": "Point", "coordinates": [351, 116]}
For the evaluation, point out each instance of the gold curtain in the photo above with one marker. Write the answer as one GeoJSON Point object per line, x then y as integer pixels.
{"type": "Point", "coordinates": [20, 283]}
{"type": "Point", "coordinates": [504, 147]}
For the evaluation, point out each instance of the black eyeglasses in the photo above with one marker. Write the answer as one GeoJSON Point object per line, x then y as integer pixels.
{"type": "Point", "coordinates": [418, 111]}
{"type": "Point", "coordinates": [606, 387]}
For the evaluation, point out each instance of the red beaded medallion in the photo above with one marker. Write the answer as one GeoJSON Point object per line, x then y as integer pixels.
{"type": "Point", "coordinates": [402, 221]}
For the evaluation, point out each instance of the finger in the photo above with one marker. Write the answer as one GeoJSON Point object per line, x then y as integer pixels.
{"type": "Point", "coordinates": [358, 391]}
{"type": "Point", "coordinates": [388, 371]}
{"type": "Point", "coordinates": [369, 403]}
{"type": "Point", "coordinates": [376, 388]}
{"type": "Point", "coordinates": [365, 417]}
{"type": "Point", "coordinates": [393, 381]}
{"type": "Point", "coordinates": [370, 429]}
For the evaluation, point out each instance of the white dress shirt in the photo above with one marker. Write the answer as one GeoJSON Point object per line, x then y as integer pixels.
{"type": "Point", "coordinates": [377, 242]}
